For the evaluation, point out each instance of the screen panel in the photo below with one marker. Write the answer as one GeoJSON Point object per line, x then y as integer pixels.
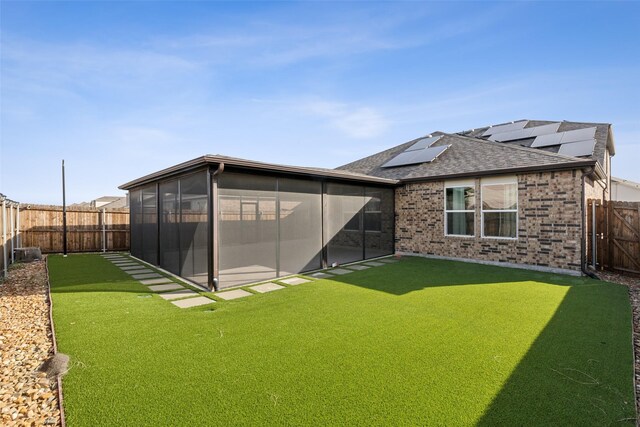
{"type": "Point", "coordinates": [247, 228]}
{"type": "Point", "coordinates": [378, 222]}
{"type": "Point", "coordinates": [344, 237]}
{"type": "Point", "coordinates": [194, 227]}
{"type": "Point", "coordinates": [135, 209]}
{"type": "Point", "coordinates": [300, 228]}
{"type": "Point", "coordinates": [169, 226]}
{"type": "Point", "coordinates": [150, 224]}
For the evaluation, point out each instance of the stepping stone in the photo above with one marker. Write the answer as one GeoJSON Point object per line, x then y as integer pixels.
{"type": "Point", "coordinates": [112, 256]}
{"type": "Point", "coordinates": [139, 271]}
{"type": "Point", "coordinates": [129, 267]}
{"type": "Point", "coordinates": [295, 281]}
{"type": "Point", "coordinates": [180, 293]}
{"type": "Point", "coordinates": [192, 302]}
{"type": "Point", "coordinates": [321, 275]}
{"type": "Point", "coordinates": [156, 281]}
{"type": "Point", "coordinates": [123, 261]}
{"type": "Point", "coordinates": [358, 267]}
{"type": "Point", "coordinates": [119, 259]}
{"type": "Point", "coordinates": [169, 287]}
{"type": "Point", "coordinates": [266, 287]}
{"type": "Point", "coordinates": [388, 260]}
{"type": "Point", "coordinates": [238, 293]}
{"type": "Point", "coordinates": [374, 264]}
{"type": "Point", "coordinates": [146, 276]}
{"type": "Point", "coordinates": [340, 271]}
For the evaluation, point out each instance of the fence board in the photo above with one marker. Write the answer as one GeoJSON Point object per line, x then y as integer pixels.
{"type": "Point", "coordinates": [41, 225]}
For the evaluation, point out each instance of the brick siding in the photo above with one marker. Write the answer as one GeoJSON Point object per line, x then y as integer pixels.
{"type": "Point", "coordinates": [549, 223]}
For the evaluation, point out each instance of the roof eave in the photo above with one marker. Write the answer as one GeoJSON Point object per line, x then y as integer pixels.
{"type": "Point", "coordinates": [201, 162]}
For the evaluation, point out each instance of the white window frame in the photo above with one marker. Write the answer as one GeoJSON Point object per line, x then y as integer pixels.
{"type": "Point", "coordinates": [498, 181]}
{"type": "Point", "coordinates": [460, 184]}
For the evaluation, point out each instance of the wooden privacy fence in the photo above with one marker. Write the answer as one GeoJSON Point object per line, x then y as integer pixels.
{"type": "Point", "coordinates": [617, 232]}
{"type": "Point", "coordinates": [88, 229]}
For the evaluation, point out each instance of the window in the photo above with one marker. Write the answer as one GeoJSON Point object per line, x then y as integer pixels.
{"type": "Point", "coordinates": [460, 209]}
{"type": "Point", "coordinates": [500, 209]}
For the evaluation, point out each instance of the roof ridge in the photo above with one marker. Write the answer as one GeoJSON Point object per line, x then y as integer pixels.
{"type": "Point", "coordinates": [518, 147]}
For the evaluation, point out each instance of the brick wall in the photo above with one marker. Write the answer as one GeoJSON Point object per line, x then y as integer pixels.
{"type": "Point", "coordinates": [549, 223]}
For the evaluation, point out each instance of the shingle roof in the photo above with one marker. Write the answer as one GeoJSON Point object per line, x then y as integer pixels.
{"type": "Point", "coordinates": [472, 154]}
{"type": "Point", "coordinates": [601, 136]}
{"type": "Point", "coordinates": [465, 156]}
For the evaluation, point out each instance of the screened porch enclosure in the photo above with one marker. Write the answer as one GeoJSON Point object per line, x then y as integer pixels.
{"type": "Point", "coordinates": [267, 226]}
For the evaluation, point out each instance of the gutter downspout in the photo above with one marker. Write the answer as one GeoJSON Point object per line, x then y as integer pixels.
{"type": "Point", "coordinates": [215, 247]}
{"type": "Point", "coordinates": [583, 247]}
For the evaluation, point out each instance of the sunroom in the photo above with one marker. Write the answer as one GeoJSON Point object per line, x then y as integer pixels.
{"type": "Point", "coordinates": [222, 222]}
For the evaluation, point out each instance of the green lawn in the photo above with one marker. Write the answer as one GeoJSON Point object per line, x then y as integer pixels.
{"type": "Point", "coordinates": [419, 342]}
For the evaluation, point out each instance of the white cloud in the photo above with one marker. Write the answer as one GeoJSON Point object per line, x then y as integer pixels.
{"type": "Point", "coordinates": [353, 121]}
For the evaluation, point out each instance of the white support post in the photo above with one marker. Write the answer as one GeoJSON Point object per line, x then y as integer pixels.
{"type": "Point", "coordinates": [4, 236]}
{"type": "Point", "coordinates": [12, 231]}
{"type": "Point", "coordinates": [104, 231]}
{"type": "Point", "coordinates": [19, 243]}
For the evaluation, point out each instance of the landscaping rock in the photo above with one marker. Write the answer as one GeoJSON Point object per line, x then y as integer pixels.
{"type": "Point", "coordinates": [27, 395]}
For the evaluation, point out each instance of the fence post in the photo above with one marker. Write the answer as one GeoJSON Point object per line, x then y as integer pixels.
{"type": "Point", "coordinates": [4, 236]}
{"type": "Point", "coordinates": [13, 235]}
{"type": "Point", "coordinates": [104, 231]}
{"type": "Point", "coordinates": [18, 242]}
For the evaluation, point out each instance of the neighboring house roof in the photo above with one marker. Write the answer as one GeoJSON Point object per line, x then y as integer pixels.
{"type": "Point", "coordinates": [243, 164]}
{"type": "Point", "coordinates": [119, 202]}
{"type": "Point", "coordinates": [626, 182]}
{"type": "Point", "coordinates": [466, 156]}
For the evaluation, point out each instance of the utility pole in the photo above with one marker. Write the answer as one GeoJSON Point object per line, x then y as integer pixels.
{"type": "Point", "coordinates": [64, 214]}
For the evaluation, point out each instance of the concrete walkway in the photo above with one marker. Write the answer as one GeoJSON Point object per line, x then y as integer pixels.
{"type": "Point", "coordinates": [164, 286]}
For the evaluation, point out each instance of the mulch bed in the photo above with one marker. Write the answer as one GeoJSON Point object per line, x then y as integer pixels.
{"type": "Point", "coordinates": [28, 396]}
{"type": "Point", "coordinates": [633, 283]}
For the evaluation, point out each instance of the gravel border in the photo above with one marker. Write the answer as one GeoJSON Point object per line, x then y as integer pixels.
{"type": "Point", "coordinates": [28, 395]}
{"type": "Point", "coordinates": [633, 285]}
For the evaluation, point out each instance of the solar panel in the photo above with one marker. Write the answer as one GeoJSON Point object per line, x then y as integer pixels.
{"type": "Point", "coordinates": [564, 137]}
{"type": "Point", "coordinates": [579, 148]}
{"type": "Point", "coordinates": [547, 140]}
{"type": "Point", "coordinates": [416, 156]}
{"type": "Point", "coordinates": [525, 133]}
{"type": "Point", "coordinates": [424, 143]}
{"type": "Point", "coordinates": [579, 135]}
{"type": "Point", "coordinates": [505, 128]}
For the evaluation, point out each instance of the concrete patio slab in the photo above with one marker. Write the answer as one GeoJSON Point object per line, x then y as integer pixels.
{"type": "Point", "coordinates": [339, 271]}
{"type": "Point", "coordinates": [146, 276]}
{"type": "Point", "coordinates": [295, 281]}
{"type": "Point", "coordinates": [156, 281]}
{"type": "Point", "coordinates": [139, 271]}
{"type": "Point", "coordinates": [374, 263]}
{"type": "Point", "coordinates": [321, 275]}
{"type": "Point", "coordinates": [357, 267]}
{"type": "Point", "coordinates": [168, 287]}
{"type": "Point", "coordinates": [235, 294]}
{"type": "Point", "coordinates": [192, 302]}
{"type": "Point", "coordinates": [266, 287]}
{"type": "Point", "coordinates": [180, 293]}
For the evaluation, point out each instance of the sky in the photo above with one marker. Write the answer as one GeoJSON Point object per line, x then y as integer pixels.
{"type": "Point", "coordinates": [122, 89]}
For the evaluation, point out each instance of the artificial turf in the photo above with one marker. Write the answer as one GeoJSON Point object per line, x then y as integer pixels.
{"type": "Point", "coordinates": [418, 342]}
